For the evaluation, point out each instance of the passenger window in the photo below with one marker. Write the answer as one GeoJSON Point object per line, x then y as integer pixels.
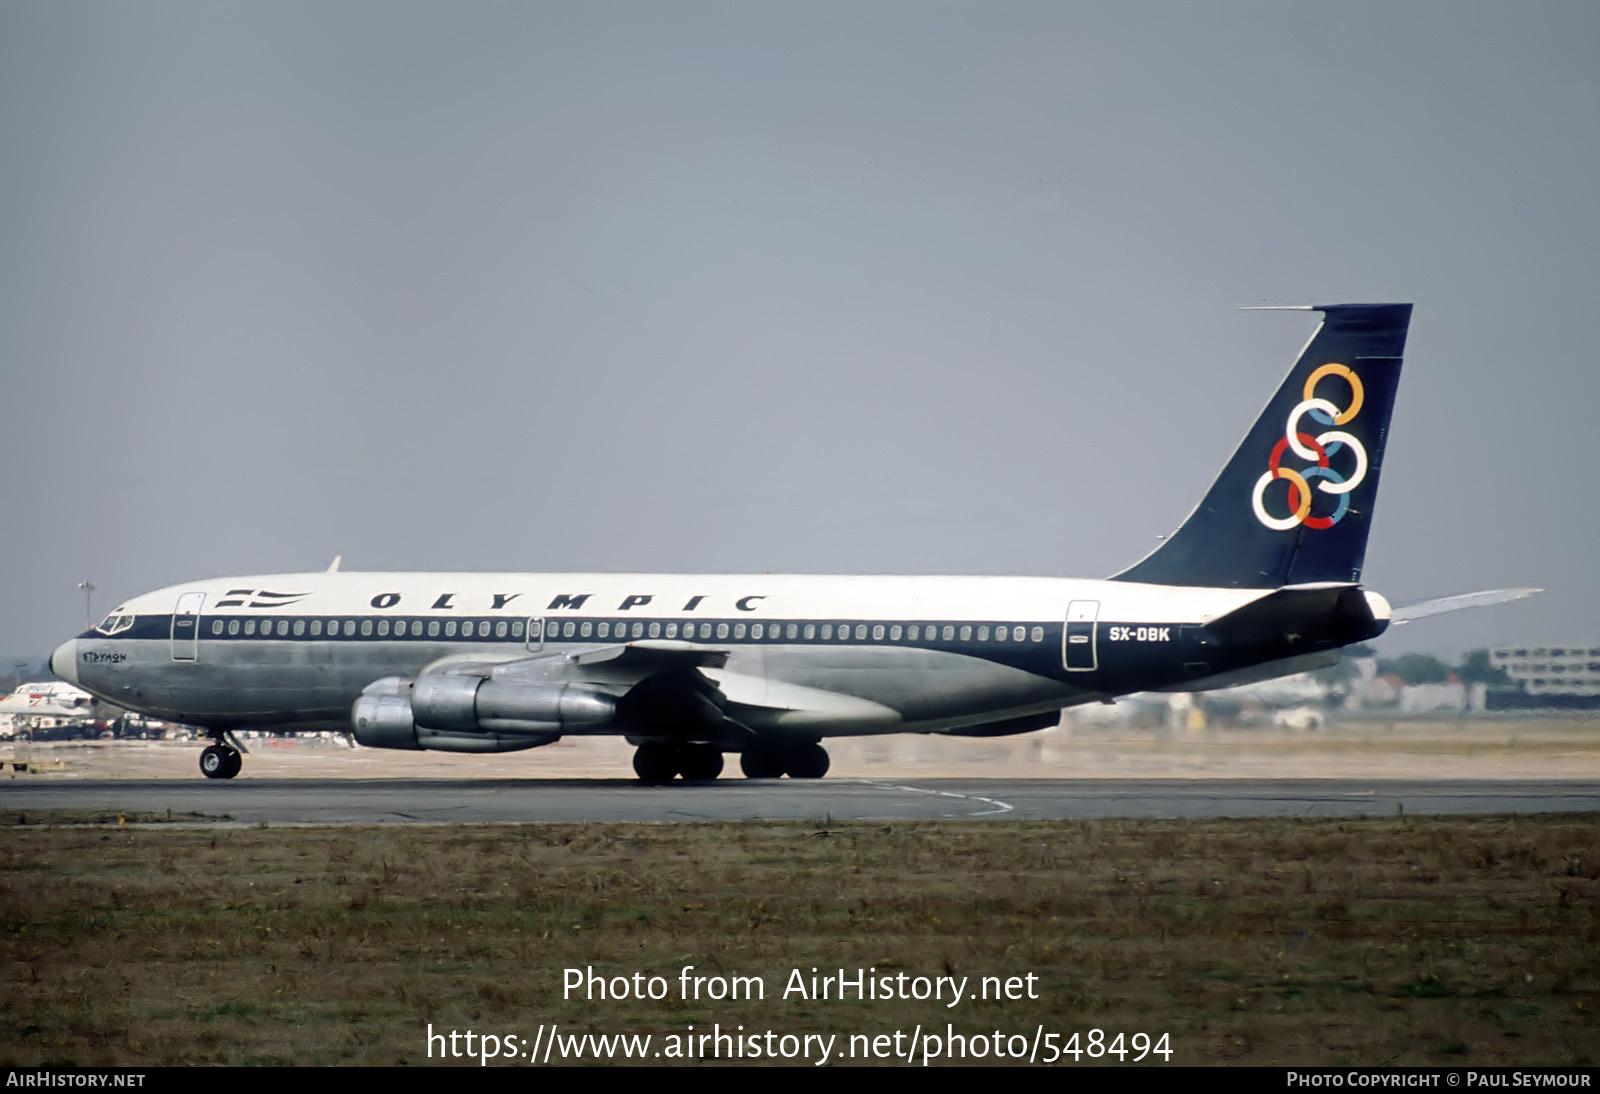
{"type": "Point", "coordinates": [705, 630]}
{"type": "Point", "coordinates": [756, 630]}
{"type": "Point", "coordinates": [216, 626]}
{"type": "Point", "coordinates": [249, 626]}
{"type": "Point", "coordinates": [366, 628]}
{"type": "Point", "coordinates": [894, 633]}
{"type": "Point", "coordinates": [500, 629]}
{"type": "Point", "coordinates": [516, 629]}
{"type": "Point", "coordinates": [722, 630]}
{"type": "Point", "coordinates": [316, 628]}
{"type": "Point", "coordinates": [450, 629]}
{"type": "Point", "coordinates": [586, 630]}
{"type": "Point", "coordinates": [861, 632]}
{"type": "Point", "coordinates": [949, 633]}
{"type": "Point", "coordinates": [738, 630]}
{"type": "Point", "coordinates": [966, 634]}
{"type": "Point", "coordinates": [283, 628]}
{"type": "Point", "coordinates": [299, 627]}
{"type": "Point", "coordinates": [569, 629]}
{"type": "Point", "coordinates": [433, 628]}
{"type": "Point", "coordinates": [638, 630]}
{"type": "Point", "coordinates": [672, 630]}
{"type": "Point", "coordinates": [913, 632]}
{"type": "Point", "coordinates": [877, 632]}
{"type": "Point", "coordinates": [1019, 633]}
{"type": "Point", "coordinates": [983, 634]}
{"type": "Point", "coordinates": [383, 628]}
{"type": "Point", "coordinates": [827, 631]}
{"type": "Point", "coordinates": [1038, 634]}
{"type": "Point", "coordinates": [605, 630]}
{"type": "Point", "coordinates": [792, 630]}
{"type": "Point", "coordinates": [810, 631]}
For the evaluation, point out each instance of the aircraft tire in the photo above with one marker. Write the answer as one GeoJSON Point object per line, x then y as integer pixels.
{"type": "Point", "coordinates": [219, 762]}
{"type": "Point", "coordinates": [808, 762]}
{"type": "Point", "coordinates": [655, 763]}
{"type": "Point", "coordinates": [700, 763]}
{"type": "Point", "coordinates": [761, 763]}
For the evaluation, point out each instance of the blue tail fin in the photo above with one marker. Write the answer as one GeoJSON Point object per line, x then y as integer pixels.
{"type": "Point", "coordinates": [1294, 504]}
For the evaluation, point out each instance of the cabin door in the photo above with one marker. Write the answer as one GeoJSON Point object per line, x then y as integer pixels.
{"type": "Point", "coordinates": [186, 626]}
{"type": "Point", "coordinates": [1078, 644]}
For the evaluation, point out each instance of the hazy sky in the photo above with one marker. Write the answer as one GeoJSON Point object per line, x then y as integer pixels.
{"type": "Point", "coordinates": [832, 287]}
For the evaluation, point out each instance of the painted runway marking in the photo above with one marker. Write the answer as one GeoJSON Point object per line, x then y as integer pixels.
{"type": "Point", "coordinates": [1000, 806]}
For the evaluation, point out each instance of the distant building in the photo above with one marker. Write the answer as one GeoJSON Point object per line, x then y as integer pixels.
{"type": "Point", "coordinates": [1547, 676]}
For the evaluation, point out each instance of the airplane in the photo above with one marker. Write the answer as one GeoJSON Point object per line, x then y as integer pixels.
{"type": "Point", "coordinates": [52, 699]}
{"type": "Point", "coordinates": [1263, 579]}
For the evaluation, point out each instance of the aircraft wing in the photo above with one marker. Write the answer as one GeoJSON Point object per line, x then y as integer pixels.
{"type": "Point", "coordinates": [665, 676]}
{"type": "Point", "coordinates": [1438, 606]}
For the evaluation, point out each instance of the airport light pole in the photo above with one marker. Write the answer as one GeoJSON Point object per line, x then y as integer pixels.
{"type": "Point", "coordinates": [88, 595]}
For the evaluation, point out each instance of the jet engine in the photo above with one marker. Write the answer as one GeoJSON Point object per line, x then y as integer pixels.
{"type": "Point", "coordinates": [457, 713]}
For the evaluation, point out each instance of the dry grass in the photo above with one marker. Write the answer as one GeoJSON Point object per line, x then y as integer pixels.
{"type": "Point", "coordinates": [1416, 941]}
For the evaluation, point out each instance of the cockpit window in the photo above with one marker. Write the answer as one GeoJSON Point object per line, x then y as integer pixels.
{"type": "Point", "coordinates": [116, 622]}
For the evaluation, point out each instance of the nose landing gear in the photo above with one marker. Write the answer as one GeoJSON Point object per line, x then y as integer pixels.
{"type": "Point", "coordinates": [223, 759]}
{"type": "Point", "coordinates": [220, 762]}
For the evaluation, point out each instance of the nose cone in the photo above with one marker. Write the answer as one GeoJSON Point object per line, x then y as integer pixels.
{"type": "Point", "coordinates": [64, 662]}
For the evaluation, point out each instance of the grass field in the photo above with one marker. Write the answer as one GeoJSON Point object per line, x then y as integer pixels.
{"type": "Point", "coordinates": [1396, 941]}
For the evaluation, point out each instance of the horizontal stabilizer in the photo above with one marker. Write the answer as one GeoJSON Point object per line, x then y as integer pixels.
{"type": "Point", "coordinates": [1438, 606]}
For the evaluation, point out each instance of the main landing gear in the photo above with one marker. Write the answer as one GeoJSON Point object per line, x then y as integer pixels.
{"type": "Point", "coordinates": [221, 760]}
{"type": "Point", "coordinates": [657, 762]}
{"type": "Point", "coordinates": [801, 760]}
{"type": "Point", "coordinates": [663, 761]}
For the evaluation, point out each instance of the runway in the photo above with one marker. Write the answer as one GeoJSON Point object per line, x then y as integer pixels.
{"type": "Point", "coordinates": [487, 801]}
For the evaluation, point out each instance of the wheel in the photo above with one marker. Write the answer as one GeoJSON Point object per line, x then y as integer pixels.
{"type": "Point", "coordinates": [761, 763]}
{"type": "Point", "coordinates": [655, 762]}
{"type": "Point", "coordinates": [808, 762]}
{"type": "Point", "coordinates": [700, 763]}
{"type": "Point", "coordinates": [220, 762]}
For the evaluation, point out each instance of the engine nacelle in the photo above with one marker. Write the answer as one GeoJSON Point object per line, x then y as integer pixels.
{"type": "Point", "coordinates": [453, 713]}
{"type": "Point", "coordinates": [462, 704]}
{"type": "Point", "coordinates": [384, 721]}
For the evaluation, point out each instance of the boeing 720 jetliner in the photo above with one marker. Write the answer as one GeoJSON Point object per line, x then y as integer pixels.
{"type": "Point", "coordinates": [1262, 580]}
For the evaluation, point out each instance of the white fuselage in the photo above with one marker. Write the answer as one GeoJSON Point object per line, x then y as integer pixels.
{"type": "Point", "coordinates": [921, 653]}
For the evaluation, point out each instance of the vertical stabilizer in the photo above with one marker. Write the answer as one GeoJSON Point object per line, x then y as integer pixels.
{"type": "Point", "coordinates": [1294, 504]}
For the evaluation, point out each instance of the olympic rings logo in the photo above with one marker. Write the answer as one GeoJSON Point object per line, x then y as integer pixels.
{"type": "Point", "coordinates": [1315, 450]}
